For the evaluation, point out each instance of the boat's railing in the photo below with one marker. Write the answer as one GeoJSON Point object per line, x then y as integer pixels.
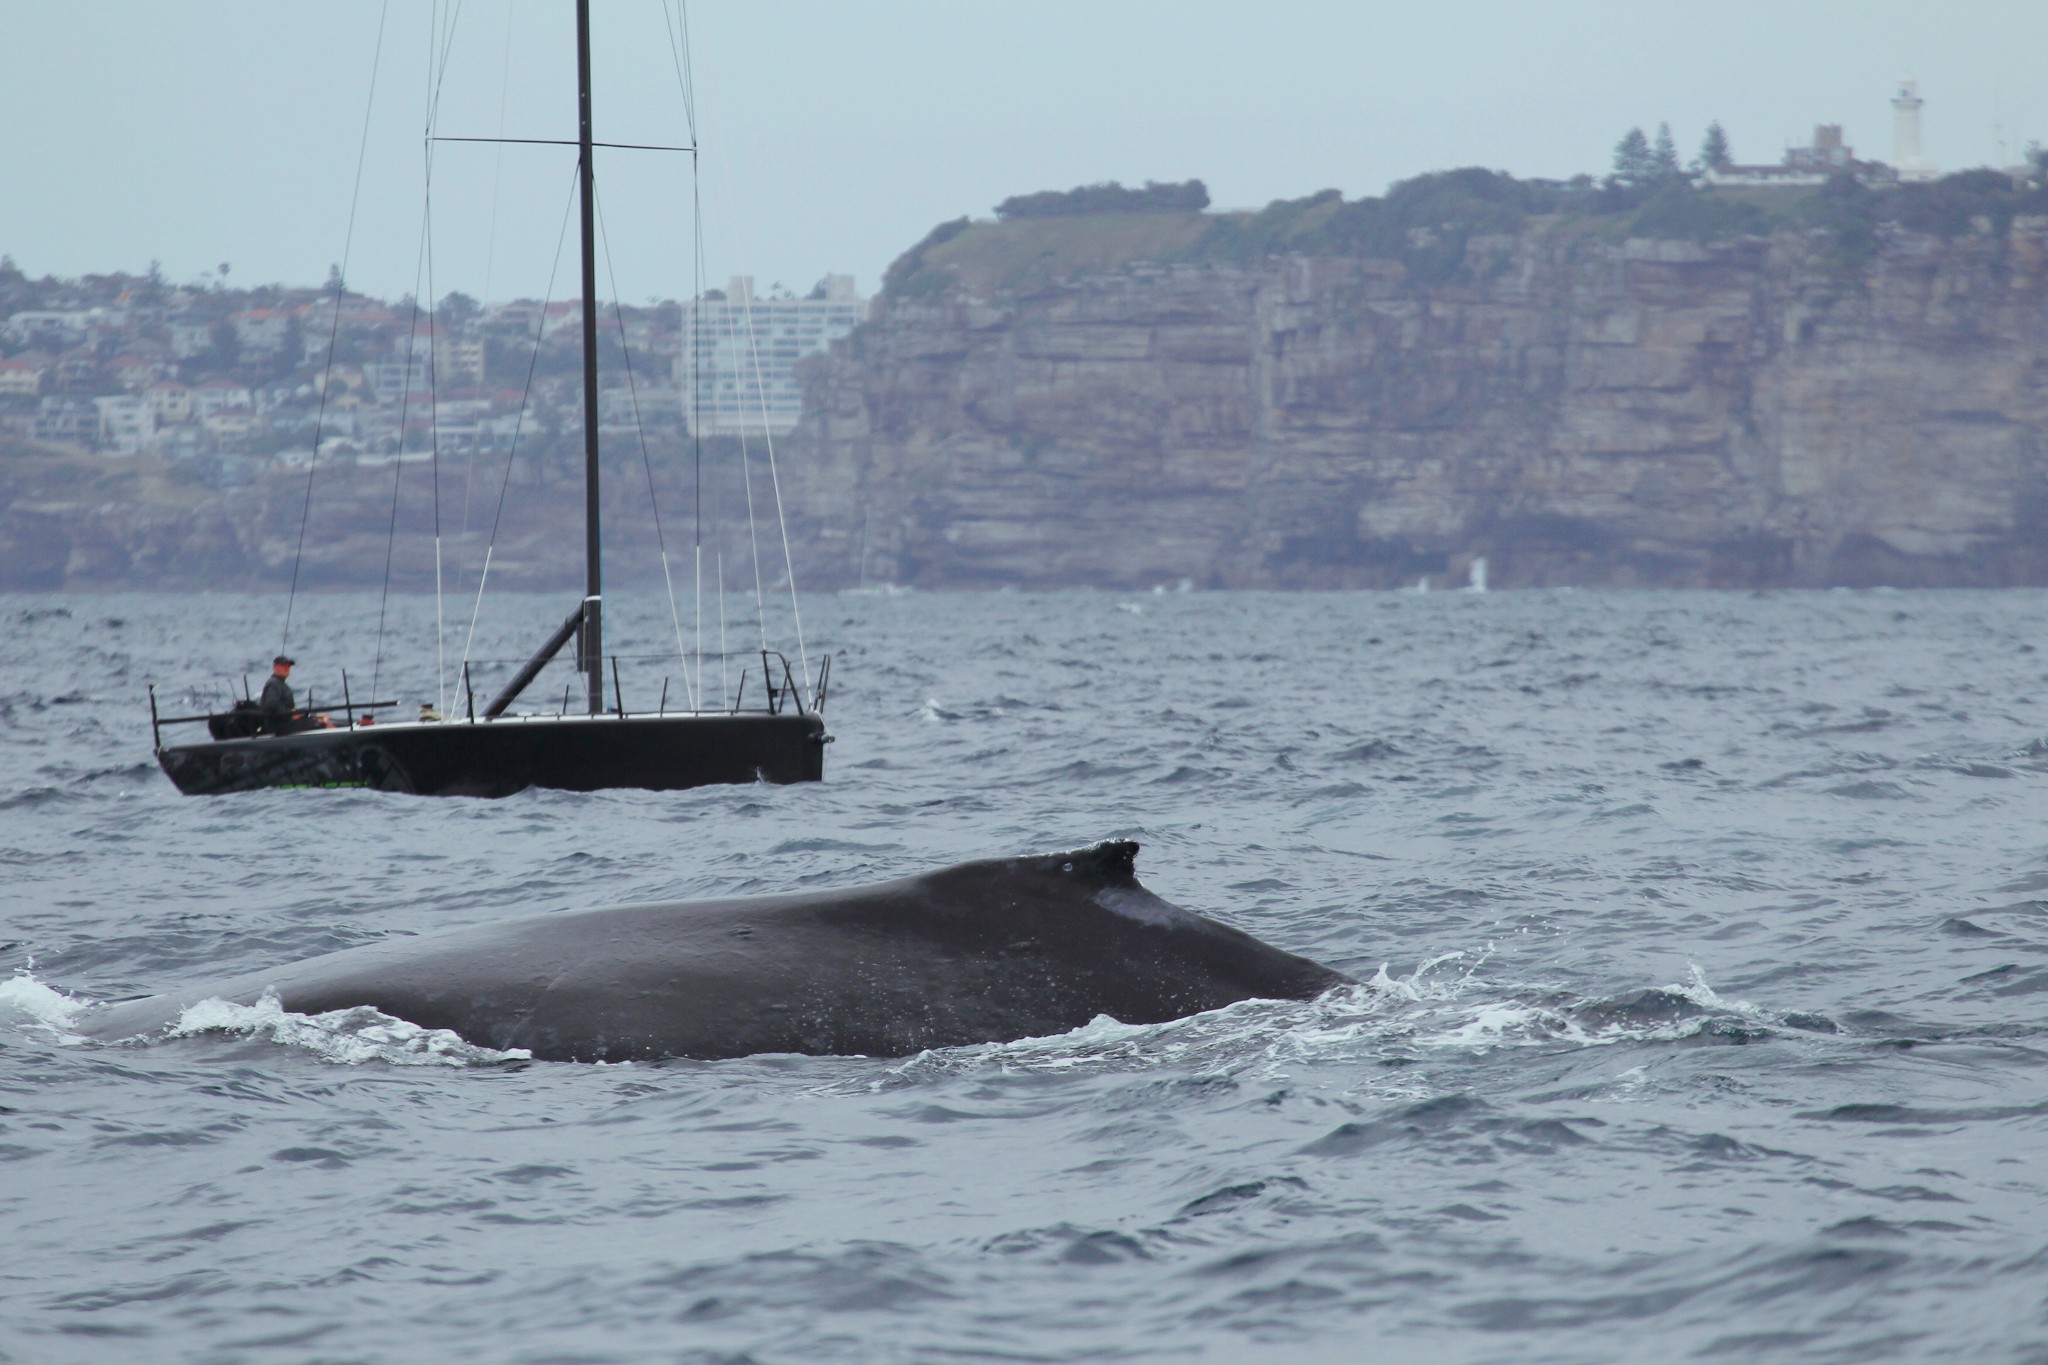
{"type": "Point", "coordinates": [763, 681]}
{"type": "Point", "coordinates": [766, 679]}
{"type": "Point", "coordinates": [244, 719]}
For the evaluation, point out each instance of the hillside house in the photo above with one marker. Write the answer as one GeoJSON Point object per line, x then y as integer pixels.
{"type": "Point", "coordinates": [135, 373]}
{"type": "Point", "coordinates": [191, 337]}
{"type": "Point", "coordinates": [170, 400]}
{"type": "Point", "coordinates": [126, 422]}
{"type": "Point", "coordinates": [65, 420]}
{"type": "Point", "coordinates": [220, 394]}
{"type": "Point", "coordinates": [22, 377]}
{"type": "Point", "coordinates": [261, 330]}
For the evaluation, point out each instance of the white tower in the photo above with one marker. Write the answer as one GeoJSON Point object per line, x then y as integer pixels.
{"type": "Point", "coordinates": [1906, 158]}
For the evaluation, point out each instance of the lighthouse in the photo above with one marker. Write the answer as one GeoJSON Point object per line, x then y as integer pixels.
{"type": "Point", "coordinates": [1906, 158]}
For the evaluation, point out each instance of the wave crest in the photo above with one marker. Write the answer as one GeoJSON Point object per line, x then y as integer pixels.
{"type": "Point", "coordinates": [348, 1037]}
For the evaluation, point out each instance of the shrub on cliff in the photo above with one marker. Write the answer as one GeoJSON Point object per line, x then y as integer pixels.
{"type": "Point", "coordinates": [1283, 225]}
{"type": "Point", "coordinates": [1680, 211]}
{"type": "Point", "coordinates": [1952, 205]}
{"type": "Point", "coordinates": [906, 275]}
{"type": "Point", "coordinates": [1847, 209]}
{"type": "Point", "coordinates": [1187, 196]}
{"type": "Point", "coordinates": [1426, 223]}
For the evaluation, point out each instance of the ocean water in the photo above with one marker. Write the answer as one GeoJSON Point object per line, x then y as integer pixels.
{"type": "Point", "coordinates": [1703, 941]}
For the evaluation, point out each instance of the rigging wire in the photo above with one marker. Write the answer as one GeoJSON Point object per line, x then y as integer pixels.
{"type": "Point", "coordinates": [540, 328]}
{"type": "Point", "coordinates": [433, 360]}
{"type": "Point", "coordinates": [747, 480]}
{"type": "Point", "coordinates": [491, 242]}
{"type": "Point", "coordinates": [761, 398]}
{"type": "Point", "coordinates": [646, 461]}
{"type": "Point", "coordinates": [436, 74]}
{"type": "Point", "coordinates": [697, 289]}
{"type": "Point", "coordinates": [334, 328]}
{"type": "Point", "coordinates": [775, 486]}
{"type": "Point", "coordinates": [679, 56]}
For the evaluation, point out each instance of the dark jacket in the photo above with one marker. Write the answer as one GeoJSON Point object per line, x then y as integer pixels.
{"type": "Point", "coordinates": [277, 696]}
{"type": "Point", "coordinates": [278, 705]}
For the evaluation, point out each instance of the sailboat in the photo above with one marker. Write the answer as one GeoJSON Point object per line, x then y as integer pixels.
{"type": "Point", "coordinates": [497, 751]}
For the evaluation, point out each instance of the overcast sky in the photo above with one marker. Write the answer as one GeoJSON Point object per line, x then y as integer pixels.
{"type": "Point", "coordinates": [836, 134]}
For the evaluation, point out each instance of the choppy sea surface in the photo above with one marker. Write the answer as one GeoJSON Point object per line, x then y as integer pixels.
{"type": "Point", "coordinates": [1704, 941]}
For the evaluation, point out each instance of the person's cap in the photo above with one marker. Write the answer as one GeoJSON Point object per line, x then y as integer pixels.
{"type": "Point", "coordinates": [286, 660]}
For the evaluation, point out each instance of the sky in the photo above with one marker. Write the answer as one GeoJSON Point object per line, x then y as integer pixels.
{"type": "Point", "coordinates": [835, 135]}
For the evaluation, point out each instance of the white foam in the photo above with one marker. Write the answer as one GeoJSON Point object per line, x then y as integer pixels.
{"type": "Point", "coordinates": [349, 1037]}
{"type": "Point", "coordinates": [1495, 1024]}
{"type": "Point", "coordinates": [1443, 1004]}
{"type": "Point", "coordinates": [1502, 1023]}
{"type": "Point", "coordinates": [1700, 993]}
{"type": "Point", "coordinates": [1262, 1038]}
{"type": "Point", "coordinates": [26, 1000]}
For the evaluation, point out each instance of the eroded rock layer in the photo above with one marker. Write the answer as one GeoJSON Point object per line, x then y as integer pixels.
{"type": "Point", "coordinates": [1576, 410]}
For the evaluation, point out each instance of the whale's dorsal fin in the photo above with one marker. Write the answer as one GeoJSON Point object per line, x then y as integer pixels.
{"type": "Point", "coordinates": [1113, 862]}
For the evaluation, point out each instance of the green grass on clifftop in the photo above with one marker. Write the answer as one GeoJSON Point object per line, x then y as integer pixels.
{"type": "Point", "coordinates": [1428, 223]}
{"type": "Point", "coordinates": [1026, 253]}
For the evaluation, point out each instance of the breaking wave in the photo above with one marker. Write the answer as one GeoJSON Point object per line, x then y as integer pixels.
{"type": "Point", "coordinates": [350, 1037]}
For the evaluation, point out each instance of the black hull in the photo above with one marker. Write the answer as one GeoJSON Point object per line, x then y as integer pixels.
{"type": "Point", "coordinates": [497, 758]}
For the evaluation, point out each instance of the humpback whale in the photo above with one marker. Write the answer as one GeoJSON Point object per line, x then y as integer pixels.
{"type": "Point", "coordinates": [985, 951]}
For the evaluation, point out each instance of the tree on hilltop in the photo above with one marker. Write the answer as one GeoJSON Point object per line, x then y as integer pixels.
{"type": "Point", "coordinates": [1187, 196]}
{"type": "Point", "coordinates": [1664, 159]}
{"type": "Point", "coordinates": [457, 311]}
{"type": "Point", "coordinates": [1714, 151]}
{"type": "Point", "coordinates": [1633, 162]}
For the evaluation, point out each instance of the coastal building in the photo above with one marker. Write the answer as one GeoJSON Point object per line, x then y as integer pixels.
{"type": "Point", "coordinates": [1906, 157]}
{"type": "Point", "coordinates": [126, 422]}
{"type": "Point", "coordinates": [457, 361]}
{"type": "Point", "coordinates": [1828, 155]}
{"type": "Point", "coordinates": [737, 366]}
{"type": "Point", "coordinates": [22, 378]}
{"type": "Point", "coordinates": [219, 395]}
{"type": "Point", "coordinates": [66, 420]}
{"type": "Point", "coordinates": [51, 328]}
{"type": "Point", "coordinates": [394, 381]}
{"type": "Point", "coordinates": [136, 372]}
{"type": "Point", "coordinates": [77, 368]}
{"type": "Point", "coordinates": [191, 337]}
{"type": "Point", "coordinates": [262, 330]}
{"type": "Point", "coordinates": [170, 400]}
{"type": "Point", "coordinates": [230, 428]}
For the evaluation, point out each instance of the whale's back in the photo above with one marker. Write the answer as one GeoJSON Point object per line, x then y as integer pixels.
{"type": "Point", "coordinates": [981, 952]}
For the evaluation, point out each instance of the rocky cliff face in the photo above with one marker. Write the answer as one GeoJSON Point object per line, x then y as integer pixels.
{"type": "Point", "coordinates": [1112, 401]}
{"type": "Point", "coordinates": [73, 520]}
{"type": "Point", "coordinates": [1575, 409]}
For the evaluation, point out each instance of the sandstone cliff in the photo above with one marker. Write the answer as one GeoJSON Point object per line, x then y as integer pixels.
{"type": "Point", "coordinates": [1581, 387]}
{"type": "Point", "coordinates": [1114, 407]}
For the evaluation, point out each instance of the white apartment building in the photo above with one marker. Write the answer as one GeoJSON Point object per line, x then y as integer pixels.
{"type": "Point", "coordinates": [127, 422]}
{"type": "Point", "coordinates": [736, 372]}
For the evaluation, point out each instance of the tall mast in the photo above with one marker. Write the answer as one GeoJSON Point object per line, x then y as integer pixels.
{"type": "Point", "coordinates": [592, 647]}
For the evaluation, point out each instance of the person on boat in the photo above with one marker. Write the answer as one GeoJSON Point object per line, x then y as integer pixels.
{"type": "Point", "coordinates": [278, 702]}
{"type": "Point", "coordinates": [429, 712]}
{"type": "Point", "coordinates": [279, 706]}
